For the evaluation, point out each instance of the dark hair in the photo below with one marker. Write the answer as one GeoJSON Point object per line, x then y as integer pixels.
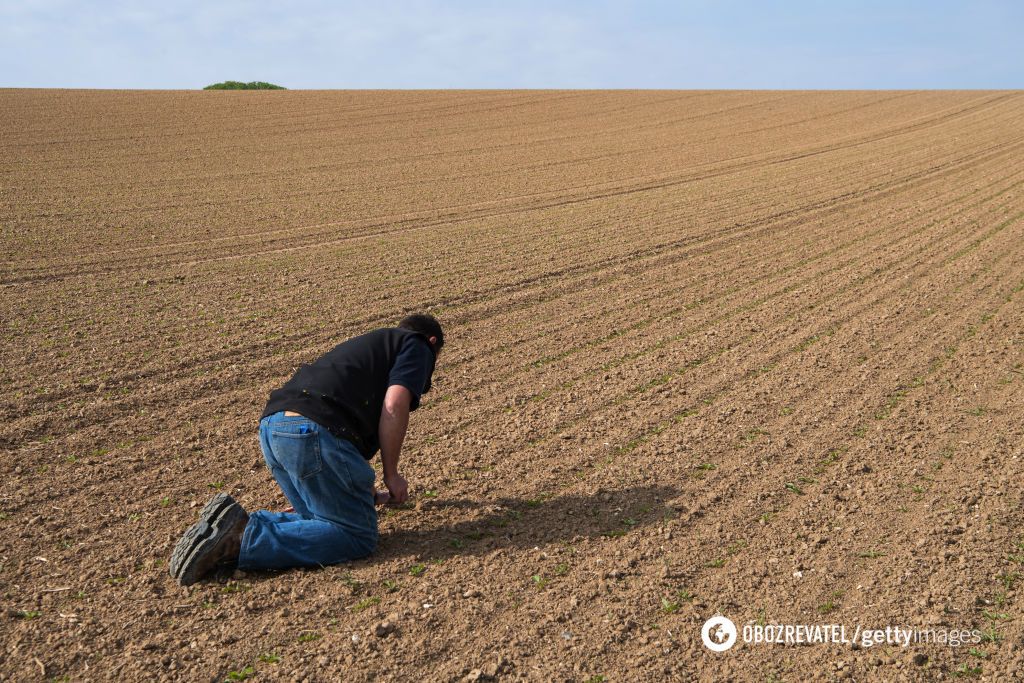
{"type": "Point", "coordinates": [425, 324]}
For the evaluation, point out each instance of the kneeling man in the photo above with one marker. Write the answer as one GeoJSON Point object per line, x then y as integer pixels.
{"type": "Point", "coordinates": [318, 433]}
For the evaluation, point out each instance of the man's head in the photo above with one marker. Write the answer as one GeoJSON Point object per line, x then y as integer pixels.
{"type": "Point", "coordinates": [427, 325]}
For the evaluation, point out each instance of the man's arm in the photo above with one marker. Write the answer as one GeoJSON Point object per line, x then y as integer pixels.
{"type": "Point", "coordinates": [394, 419]}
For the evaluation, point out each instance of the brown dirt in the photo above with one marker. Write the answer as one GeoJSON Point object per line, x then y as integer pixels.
{"type": "Point", "coordinates": [750, 353]}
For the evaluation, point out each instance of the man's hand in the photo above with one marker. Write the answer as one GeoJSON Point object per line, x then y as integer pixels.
{"type": "Point", "coordinates": [398, 487]}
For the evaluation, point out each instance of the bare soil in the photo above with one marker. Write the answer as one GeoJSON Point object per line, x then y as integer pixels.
{"type": "Point", "coordinates": [758, 354]}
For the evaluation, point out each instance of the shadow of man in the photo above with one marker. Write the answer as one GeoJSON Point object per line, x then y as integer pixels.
{"type": "Point", "coordinates": [521, 523]}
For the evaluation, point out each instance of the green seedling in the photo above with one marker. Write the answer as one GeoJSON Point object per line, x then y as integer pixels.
{"type": "Point", "coordinates": [270, 658]}
{"type": "Point", "coordinates": [354, 585]}
{"type": "Point", "coordinates": [630, 445]}
{"type": "Point", "coordinates": [309, 637]}
{"type": "Point", "coordinates": [702, 470]}
{"type": "Point", "coordinates": [365, 602]}
{"type": "Point", "coordinates": [752, 434]}
{"type": "Point", "coordinates": [1008, 579]}
{"type": "Point", "coordinates": [235, 587]}
{"type": "Point", "coordinates": [735, 547]}
{"type": "Point", "coordinates": [803, 346]}
{"type": "Point", "coordinates": [793, 488]}
{"type": "Point", "coordinates": [538, 501]}
{"type": "Point", "coordinates": [417, 569]}
{"type": "Point", "coordinates": [965, 670]}
{"type": "Point", "coordinates": [991, 635]}
{"type": "Point", "coordinates": [241, 674]}
{"type": "Point", "coordinates": [669, 606]}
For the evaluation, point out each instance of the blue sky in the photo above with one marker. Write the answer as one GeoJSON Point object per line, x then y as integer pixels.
{"type": "Point", "coordinates": [484, 44]}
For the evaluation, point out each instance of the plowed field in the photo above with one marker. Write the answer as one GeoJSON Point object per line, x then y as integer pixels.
{"type": "Point", "coordinates": [758, 354]}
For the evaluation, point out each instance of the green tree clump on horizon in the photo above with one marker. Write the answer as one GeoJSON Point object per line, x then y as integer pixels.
{"type": "Point", "coordinates": [238, 85]}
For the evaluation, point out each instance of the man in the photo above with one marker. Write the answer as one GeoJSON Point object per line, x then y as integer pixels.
{"type": "Point", "coordinates": [318, 433]}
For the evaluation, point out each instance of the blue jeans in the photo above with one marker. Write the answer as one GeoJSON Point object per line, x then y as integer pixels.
{"type": "Point", "coordinates": [329, 484]}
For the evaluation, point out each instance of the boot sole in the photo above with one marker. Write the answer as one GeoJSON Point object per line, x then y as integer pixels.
{"type": "Point", "coordinates": [216, 520]}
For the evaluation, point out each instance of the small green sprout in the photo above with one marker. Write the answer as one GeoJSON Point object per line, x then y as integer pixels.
{"type": "Point", "coordinates": [241, 674]}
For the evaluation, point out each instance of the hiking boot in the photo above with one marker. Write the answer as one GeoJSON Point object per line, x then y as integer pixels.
{"type": "Point", "coordinates": [215, 538]}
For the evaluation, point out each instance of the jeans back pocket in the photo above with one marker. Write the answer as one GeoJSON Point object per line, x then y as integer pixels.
{"type": "Point", "coordinates": [297, 449]}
